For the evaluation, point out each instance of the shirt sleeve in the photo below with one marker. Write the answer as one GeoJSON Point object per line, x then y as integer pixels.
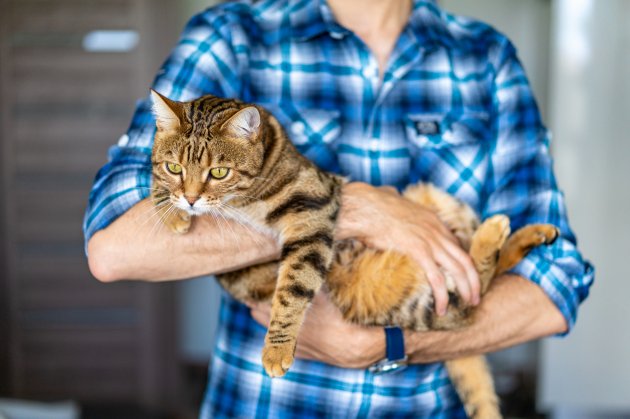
{"type": "Point", "coordinates": [523, 186]}
{"type": "Point", "coordinates": [203, 62]}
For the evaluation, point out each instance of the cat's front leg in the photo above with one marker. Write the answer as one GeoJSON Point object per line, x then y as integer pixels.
{"type": "Point", "coordinates": [176, 220]}
{"type": "Point", "coordinates": [305, 262]}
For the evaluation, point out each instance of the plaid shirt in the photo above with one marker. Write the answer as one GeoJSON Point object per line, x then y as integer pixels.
{"type": "Point", "coordinates": [454, 108]}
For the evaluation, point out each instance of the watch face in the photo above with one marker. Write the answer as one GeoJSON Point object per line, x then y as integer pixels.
{"type": "Point", "coordinates": [386, 366]}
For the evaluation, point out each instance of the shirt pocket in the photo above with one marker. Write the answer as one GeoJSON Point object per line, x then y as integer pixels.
{"type": "Point", "coordinates": [314, 126]}
{"type": "Point", "coordinates": [315, 133]}
{"type": "Point", "coordinates": [436, 131]}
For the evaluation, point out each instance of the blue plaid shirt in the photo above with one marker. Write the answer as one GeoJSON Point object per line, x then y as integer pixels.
{"type": "Point", "coordinates": [454, 108]}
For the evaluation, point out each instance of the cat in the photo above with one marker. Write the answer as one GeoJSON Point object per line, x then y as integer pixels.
{"type": "Point", "coordinates": [227, 158]}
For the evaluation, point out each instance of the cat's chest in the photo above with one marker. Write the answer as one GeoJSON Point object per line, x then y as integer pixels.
{"type": "Point", "coordinates": [254, 216]}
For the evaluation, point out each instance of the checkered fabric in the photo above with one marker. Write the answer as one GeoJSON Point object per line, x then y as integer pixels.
{"type": "Point", "coordinates": [454, 108]}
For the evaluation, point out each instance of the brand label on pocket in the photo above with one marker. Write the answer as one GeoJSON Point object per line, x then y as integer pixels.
{"type": "Point", "coordinates": [427, 127]}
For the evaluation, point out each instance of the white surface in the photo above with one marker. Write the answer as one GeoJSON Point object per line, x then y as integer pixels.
{"type": "Point", "coordinates": [22, 409]}
{"type": "Point", "coordinates": [111, 41]}
{"type": "Point", "coordinates": [591, 121]}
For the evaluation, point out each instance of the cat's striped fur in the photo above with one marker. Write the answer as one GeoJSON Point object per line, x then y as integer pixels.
{"type": "Point", "coordinates": [272, 187]}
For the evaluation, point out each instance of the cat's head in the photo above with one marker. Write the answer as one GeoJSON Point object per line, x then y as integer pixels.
{"type": "Point", "coordinates": [206, 152]}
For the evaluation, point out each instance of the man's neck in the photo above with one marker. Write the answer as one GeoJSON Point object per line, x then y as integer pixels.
{"type": "Point", "coordinates": [377, 22]}
{"type": "Point", "coordinates": [366, 17]}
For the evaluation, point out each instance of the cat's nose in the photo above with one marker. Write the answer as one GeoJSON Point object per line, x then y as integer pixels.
{"type": "Point", "coordinates": [191, 199]}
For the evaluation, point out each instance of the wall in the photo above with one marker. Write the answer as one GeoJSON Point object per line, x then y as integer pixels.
{"type": "Point", "coordinates": [591, 99]}
{"type": "Point", "coordinates": [527, 24]}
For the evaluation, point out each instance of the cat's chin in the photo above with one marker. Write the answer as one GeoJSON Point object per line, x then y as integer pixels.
{"type": "Point", "coordinates": [197, 211]}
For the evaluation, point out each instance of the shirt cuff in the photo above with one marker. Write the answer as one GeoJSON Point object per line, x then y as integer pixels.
{"type": "Point", "coordinates": [559, 270]}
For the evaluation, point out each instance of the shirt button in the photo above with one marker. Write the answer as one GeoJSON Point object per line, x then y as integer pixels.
{"type": "Point", "coordinates": [368, 72]}
{"type": "Point", "coordinates": [298, 128]}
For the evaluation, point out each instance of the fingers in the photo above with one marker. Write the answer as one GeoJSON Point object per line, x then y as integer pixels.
{"type": "Point", "coordinates": [389, 189]}
{"type": "Point", "coordinates": [427, 262]}
{"type": "Point", "coordinates": [457, 263]}
{"type": "Point", "coordinates": [440, 257]}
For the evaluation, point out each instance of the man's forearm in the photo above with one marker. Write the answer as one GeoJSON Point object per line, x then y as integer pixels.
{"type": "Point", "coordinates": [513, 311]}
{"type": "Point", "coordinates": [138, 246]}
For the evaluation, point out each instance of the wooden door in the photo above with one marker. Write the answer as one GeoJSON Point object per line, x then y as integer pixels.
{"type": "Point", "coordinates": [65, 335]}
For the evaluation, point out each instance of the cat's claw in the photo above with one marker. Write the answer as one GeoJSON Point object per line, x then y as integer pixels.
{"type": "Point", "coordinates": [277, 359]}
{"type": "Point", "coordinates": [548, 233]}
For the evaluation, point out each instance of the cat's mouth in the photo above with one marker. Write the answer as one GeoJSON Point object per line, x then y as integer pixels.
{"type": "Point", "coordinates": [200, 207]}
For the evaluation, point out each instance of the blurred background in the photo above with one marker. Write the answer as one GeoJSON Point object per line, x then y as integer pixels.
{"type": "Point", "coordinates": [70, 72]}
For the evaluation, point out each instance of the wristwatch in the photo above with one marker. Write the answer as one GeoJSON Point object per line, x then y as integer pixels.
{"type": "Point", "coordinates": [395, 357]}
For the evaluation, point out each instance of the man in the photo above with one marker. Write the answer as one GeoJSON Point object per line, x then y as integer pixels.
{"type": "Point", "coordinates": [387, 93]}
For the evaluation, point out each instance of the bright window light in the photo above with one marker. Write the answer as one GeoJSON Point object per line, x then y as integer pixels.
{"type": "Point", "coordinates": [110, 41]}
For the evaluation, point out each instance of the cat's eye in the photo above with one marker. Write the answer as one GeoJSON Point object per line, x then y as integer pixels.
{"type": "Point", "coordinates": [219, 172]}
{"type": "Point", "coordinates": [174, 168]}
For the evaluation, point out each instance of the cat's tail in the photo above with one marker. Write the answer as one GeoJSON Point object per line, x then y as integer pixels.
{"type": "Point", "coordinates": [473, 381]}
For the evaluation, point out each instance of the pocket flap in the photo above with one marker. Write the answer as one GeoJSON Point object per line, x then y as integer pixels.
{"type": "Point", "coordinates": [440, 130]}
{"type": "Point", "coordinates": [314, 126]}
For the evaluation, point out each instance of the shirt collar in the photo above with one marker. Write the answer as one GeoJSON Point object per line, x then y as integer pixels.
{"type": "Point", "coordinates": [311, 18]}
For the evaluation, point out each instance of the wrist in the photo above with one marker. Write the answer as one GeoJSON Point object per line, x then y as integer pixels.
{"type": "Point", "coordinates": [395, 354]}
{"type": "Point", "coordinates": [370, 349]}
{"type": "Point", "coordinates": [418, 346]}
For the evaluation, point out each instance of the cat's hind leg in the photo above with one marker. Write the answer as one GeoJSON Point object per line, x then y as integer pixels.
{"type": "Point", "coordinates": [522, 242]}
{"type": "Point", "coordinates": [486, 245]}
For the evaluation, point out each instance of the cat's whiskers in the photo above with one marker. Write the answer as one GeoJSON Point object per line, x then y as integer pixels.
{"type": "Point", "coordinates": [160, 213]}
{"type": "Point", "coordinates": [235, 237]}
{"type": "Point", "coordinates": [253, 233]}
{"type": "Point", "coordinates": [160, 221]}
{"type": "Point", "coordinates": [235, 217]}
{"type": "Point", "coordinates": [156, 208]}
{"type": "Point", "coordinates": [216, 217]}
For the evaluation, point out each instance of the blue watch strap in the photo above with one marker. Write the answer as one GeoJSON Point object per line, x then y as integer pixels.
{"type": "Point", "coordinates": [395, 343]}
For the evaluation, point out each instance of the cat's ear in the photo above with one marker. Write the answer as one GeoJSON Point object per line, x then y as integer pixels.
{"type": "Point", "coordinates": [169, 114]}
{"type": "Point", "coordinates": [244, 123]}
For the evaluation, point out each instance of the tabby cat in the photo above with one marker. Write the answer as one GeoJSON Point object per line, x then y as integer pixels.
{"type": "Point", "coordinates": [227, 158]}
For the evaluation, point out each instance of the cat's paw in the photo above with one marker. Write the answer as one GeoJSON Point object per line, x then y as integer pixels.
{"type": "Point", "coordinates": [277, 359]}
{"type": "Point", "coordinates": [494, 231]}
{"type": "Point", "coordinates": [546, 233]}
{"type": "Point", "coordinates": [178, 221]}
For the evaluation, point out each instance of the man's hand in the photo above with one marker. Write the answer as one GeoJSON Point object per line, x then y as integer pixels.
{"type": "Point", "coordinates": [383, 219]}
{"type": "Point", "coordinates": [325, 336]}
